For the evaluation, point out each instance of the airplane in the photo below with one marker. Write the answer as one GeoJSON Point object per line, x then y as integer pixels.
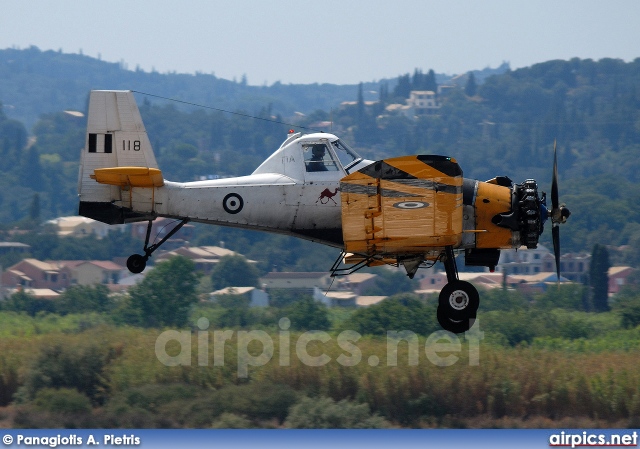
{"type": "Point", "coordinates": [408, 211]}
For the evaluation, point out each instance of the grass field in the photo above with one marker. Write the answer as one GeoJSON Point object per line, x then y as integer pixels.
{"type": "Point", "coordinates": [79, 370]}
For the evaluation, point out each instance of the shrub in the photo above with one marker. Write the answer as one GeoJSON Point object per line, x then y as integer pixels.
{"type": "Point", "coordinates": [231, 421]}
{"type": "Point", "coordinates": [402, 312]}
{"type": "Point", "coordinates": [324, 413]}
{"type": "Point", "coordinates": [61, 366]}
{"type": "Point", "coordinates": [62, 400]}
{"type": "Point", "coordinates": [84, 298]}
{"type": "Point", "coordinates": [23, 302]}
{"type": "Point", "coordinates": [308, 314]}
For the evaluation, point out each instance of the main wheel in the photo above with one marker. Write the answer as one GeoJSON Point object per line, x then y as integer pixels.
{"type": "Point", "coordinates": [459, 300]}
{"type": "Point", "coordinates": [136, 263]}
{"type": "Point", "coordinates": [455, 326]}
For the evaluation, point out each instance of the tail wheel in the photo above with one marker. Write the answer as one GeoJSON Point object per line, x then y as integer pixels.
{"type": "Point", "coordinates": [455, 326]}
{"type": "Point", "coordinates": [136, 263]}
{"type": "Point", "coordinates": [459, 300]}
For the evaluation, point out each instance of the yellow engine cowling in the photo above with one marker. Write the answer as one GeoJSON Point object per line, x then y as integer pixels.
{"type": "Point", "coordinates": [506, 215]}
{"type": "Point", "coordinates": [491, 200]}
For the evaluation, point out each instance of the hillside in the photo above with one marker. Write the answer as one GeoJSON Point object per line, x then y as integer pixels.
{"type": "Point", "coordinates": [504, 126]}
{"type": "Point", "coordinates": [33, 82]}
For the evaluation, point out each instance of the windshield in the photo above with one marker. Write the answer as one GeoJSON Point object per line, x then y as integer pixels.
{"type": "Point", "coordinates": [346, 155]}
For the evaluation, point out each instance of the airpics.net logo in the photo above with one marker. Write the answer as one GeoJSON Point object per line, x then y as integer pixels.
{"type": "Point", "coordinates": [441, 348]}
{"type": "Point", "coordinates": [592, 439]}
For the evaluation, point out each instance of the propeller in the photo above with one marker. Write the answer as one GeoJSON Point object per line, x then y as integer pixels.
{"type": "Point", "coordinates": [559, 212]}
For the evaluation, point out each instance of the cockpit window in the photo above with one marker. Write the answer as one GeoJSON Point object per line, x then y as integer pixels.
{"type": "Point", "coordinates": [317, 157]}
{"type": "Point", "coordinates": [346, 155]}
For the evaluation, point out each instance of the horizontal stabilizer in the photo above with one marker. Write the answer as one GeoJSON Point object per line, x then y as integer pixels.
{"type": "Point", "coordinates": [129, 176]}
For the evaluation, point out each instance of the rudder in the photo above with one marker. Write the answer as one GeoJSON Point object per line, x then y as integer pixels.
{"type": "Point", "coordinates": [116, 137]}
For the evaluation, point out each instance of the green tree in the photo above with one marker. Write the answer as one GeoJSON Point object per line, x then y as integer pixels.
{"type": "Point", "coordinates": [399, 313]}
{"type": "Point", "coordinates": [430, 81]}
{"type": "Point", "coordinates": [599, 278]}
{"type": "Point", "coordinates": [24, 302]}
{"type": "Point", "coordinates": [84, 298]}
{"type": "Point", "coordinates": [165, 295]}
{"type": "Point", "coordinates": [308, 314]}
{"type": "Point", "coordinates": [360, 106]}
{"type": "Point", "coordinates": [471, 87]}
{"type": "Point", "coordinates": [236, 311]}
{"type": "Point", "coordinates": [234, 271]}
{"type": "Point", "coordinates": [630, 314]}
{"type": "Point", "coordinates": [34, 209]}
{"type": "Point", "coordinates": [31, 173]}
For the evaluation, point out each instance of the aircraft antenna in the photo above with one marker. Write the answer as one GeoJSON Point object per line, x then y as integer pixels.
{"type": "Point", "coordinates": [224, 110]}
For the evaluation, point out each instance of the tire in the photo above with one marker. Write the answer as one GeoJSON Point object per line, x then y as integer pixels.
{"type": "Point", "coordinates": [459, 300]}
{"type": "Point", "coordinates": [136, 263]}
{"type": "Point", "coordinates": [456, 327]}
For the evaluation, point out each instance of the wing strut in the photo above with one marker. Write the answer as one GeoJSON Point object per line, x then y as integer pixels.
{"type": "Point", "coordinates": [336, 271]}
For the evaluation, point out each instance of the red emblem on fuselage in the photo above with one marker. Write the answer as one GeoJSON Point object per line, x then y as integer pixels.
{"type": "Point", "coordinates": [327, 195]}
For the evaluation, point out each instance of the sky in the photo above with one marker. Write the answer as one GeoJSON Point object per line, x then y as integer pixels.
{"type": "Point", "coordinates": [324, 41]}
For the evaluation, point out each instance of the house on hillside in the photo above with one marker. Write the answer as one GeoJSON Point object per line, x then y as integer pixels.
{"type": "Point", "coordinates": [38, 293]}
{"type": "Point", "coordinates": [357, 282]}
{"type": "Point", "coordinates": [91, 272]}
{"type": "Point", "coordinates": [13, 248]}
{"type": "Point", "coordinates": [423, 102]}
{"type": "Point", "coordinates": [420, 102]}
{"type": "Point", "coordinates": [366, 301]}
{"type": "Point", "coordinates": [340, 298]}
{"type": "Point", "coordinates": [76, 226]}
{"type": "Point", "coordinates": [33, 273]}
{"type": "Point", "coordinates": [574, 267]}
{"type": "Point", "coordinates": [523, 261]}
{"type": "Point", "coordinates": [618, 278]}
{"type": "Point", "coordinates": [526, 283]}
{"type": "Point", "coordinates": [535, 283]}
{"type": "Point", "coordinates": [204, 257]}
{"type": "Point", "coordinates": [301, 282]}
{"type": "Point", "coordinates": [255, 296]}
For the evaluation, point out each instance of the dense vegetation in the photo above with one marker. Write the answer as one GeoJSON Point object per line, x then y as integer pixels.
{"type": "Point", "coordinates": [94, 360]}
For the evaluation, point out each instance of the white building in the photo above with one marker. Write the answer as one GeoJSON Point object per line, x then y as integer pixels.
{"type": "Point", "coordinates": [257, 297]}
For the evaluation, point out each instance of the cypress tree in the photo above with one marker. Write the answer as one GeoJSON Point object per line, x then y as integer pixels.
{"type": "Point", "coordinates": [471, 87]}
{"type": "Point", "coordinates": [599, 278]}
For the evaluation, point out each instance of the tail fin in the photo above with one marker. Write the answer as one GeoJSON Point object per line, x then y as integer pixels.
{"type": "Point", "coordinates": [117, 157]}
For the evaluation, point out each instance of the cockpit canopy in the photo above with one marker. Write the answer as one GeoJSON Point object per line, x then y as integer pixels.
{"type": "Point", "coordinates": [318, 156]}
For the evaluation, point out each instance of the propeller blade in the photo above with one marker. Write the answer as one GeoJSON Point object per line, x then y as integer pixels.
{"type": "Point", "coordinates": [554, 181]}
{"type": "Point", "coordinates": [555, 233]}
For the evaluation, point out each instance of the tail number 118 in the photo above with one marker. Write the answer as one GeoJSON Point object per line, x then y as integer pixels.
{"type": "Point", "coordinates": [126, 145]}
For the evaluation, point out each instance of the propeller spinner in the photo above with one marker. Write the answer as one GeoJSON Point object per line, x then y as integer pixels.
{"type": "Point", "coordinates": [558, 213]}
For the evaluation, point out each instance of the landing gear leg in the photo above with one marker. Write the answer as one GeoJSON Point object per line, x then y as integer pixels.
{"type": "Point", "coordinates": [136, 263]}
{"type": "Point", "coordinates": [458, 301]}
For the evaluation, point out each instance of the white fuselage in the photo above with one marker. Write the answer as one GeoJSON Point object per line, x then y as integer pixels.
{"type": "Point", "coordinates": [280, 196]}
